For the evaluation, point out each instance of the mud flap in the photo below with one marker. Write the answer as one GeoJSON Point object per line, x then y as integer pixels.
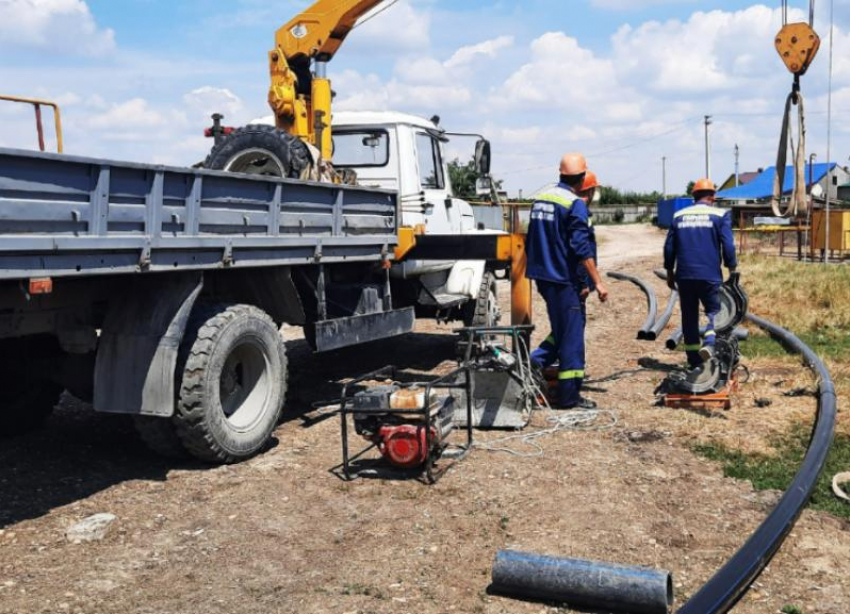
{"type": "Point", "coordinates": [346, 332]}
{"type": "Point", "coordinates": [137, 352]}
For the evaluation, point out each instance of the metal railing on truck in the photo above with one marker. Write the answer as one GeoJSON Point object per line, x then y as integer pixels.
{"type": "Point", "coordinates": [66, 216]}
{"type": "Point", "coordinates": [39, 126]}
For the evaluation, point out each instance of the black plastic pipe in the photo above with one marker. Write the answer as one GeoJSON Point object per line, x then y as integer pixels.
{"type": "Point", "coordinates": [651, 299]}
{"type": "Point", "coordinates": [588, 584]}
{"type": "Point", "coordinates": [673, 342]}
{"type": "Point", "coordinates": [732, 581]}
{"type": "Point", "coordinates": [665, 318]}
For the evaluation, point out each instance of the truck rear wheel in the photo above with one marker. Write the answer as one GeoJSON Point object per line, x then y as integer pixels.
{"type": "Point", "coordinates": [260, 150]}
{"type": "Point", "coordinates": [485, 310]}
{"type": "Point", "coordinates": [234, 381]}
{"type": "Point", "coordinates": [160, 436]}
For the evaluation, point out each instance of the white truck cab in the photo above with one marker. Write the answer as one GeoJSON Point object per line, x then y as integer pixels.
{"type": "Point", "coordinates": [405, 153]}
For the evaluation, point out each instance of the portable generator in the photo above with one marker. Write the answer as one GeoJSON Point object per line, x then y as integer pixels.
{"type": "Point", "coordinates": [409, 424]}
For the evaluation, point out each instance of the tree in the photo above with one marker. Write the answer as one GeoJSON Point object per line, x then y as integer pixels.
{"type": "Point", "coordinates": [463, 178]}
{"type": "Point", "coordinates": [690, 190]}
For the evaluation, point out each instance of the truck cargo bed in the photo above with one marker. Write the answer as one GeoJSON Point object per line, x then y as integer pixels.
{"type": "Point", "coordinates": [72, 216]}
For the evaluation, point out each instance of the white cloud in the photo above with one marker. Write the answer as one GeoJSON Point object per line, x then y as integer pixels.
{"type": "Point", "coordinates": [400, 27]}
{"type": "Point", "coordinates": [489, 49]}
{"type": "Point", "coordinates": [63, 26]}
{"type": "Point", "coordinates": [633, 5]}
{"type": "Point", "coordinates": [204, 101]}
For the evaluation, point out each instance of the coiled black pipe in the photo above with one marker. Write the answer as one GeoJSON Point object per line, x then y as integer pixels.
{"type": "Point", "coordinates": [665, 318]}
{"type": "Point", "coordinates": [651, 299]}
{"type": "Point", "coordinates": [673, 342]}
{"type": "Point", "coordinates": [732, 581]}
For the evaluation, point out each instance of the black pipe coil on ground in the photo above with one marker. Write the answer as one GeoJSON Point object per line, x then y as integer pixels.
{"type": "Point", "coordinates": [651, 299]}
{"type": "Point", "coordinates": [665, 318]}
{"type": "Point", "coordinates": [733, 580]}
{"type": "Point", "coordinates": [675, 340]}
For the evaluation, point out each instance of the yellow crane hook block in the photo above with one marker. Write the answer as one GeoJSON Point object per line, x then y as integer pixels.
{"type": "Point", "coordinates": [798, 44]}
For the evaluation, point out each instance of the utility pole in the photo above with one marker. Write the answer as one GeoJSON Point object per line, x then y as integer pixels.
{"type": "Point", "coordinates": [664, 176]}
{"type": "Point", "coordinates": [737, 167]}
{"type": "Point", "coordinates": [708, 123]}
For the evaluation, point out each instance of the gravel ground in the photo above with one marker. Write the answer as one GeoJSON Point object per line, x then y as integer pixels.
{"type": "Point", "coordinates": [282, 534]}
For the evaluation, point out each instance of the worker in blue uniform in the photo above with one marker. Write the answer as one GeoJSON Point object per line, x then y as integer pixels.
{"type": "Point", "coordinates": [560, 253]}
{"type": "Point", "coordinates": [699, 242]}
{"type": "Point", "coordinates": [547, 354]}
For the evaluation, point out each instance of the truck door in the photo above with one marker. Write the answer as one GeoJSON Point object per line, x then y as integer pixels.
{"type": "Point", "coordinates": [443, 219]}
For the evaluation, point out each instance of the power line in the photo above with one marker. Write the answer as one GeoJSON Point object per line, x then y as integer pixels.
{"type": "Point", "coordinates": [678, 127]}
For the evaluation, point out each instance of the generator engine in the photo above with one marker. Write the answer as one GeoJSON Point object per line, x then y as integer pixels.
{"type": "Point", "coordinates": [405, 440]}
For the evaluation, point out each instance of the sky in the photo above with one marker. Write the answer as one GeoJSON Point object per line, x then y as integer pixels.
{"type": "Point", "coordinates": [627, 82]}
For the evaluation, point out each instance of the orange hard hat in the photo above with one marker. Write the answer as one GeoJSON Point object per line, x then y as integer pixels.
{"type": "Point", "coordinates": [573, 164]}
{"type": "Point", "coordinates": [590, 182]}
{"type": "Point", "coordinates": [705, 185]}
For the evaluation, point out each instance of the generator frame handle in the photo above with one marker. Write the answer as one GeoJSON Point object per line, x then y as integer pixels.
{"type": "Point", "coordinates": [445, 382]}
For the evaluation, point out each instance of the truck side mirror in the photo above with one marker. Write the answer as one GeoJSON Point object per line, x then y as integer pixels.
{"type": "Point", "coordinates": [482, 158]}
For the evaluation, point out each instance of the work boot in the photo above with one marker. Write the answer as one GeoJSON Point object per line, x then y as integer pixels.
{"type": "Point", "coordinates": [584, 403]}
{"type": "Point", "coordinates": [706, 352]}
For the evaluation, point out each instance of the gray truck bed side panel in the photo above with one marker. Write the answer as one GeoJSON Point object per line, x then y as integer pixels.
{"type": "Point", "coordinates": [72, 216]}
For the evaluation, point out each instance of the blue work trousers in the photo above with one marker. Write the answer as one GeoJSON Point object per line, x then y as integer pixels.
{"type": "Point", "coordinates": [692, 293]}
{"type": "Point", "coordinates": [568, 318]}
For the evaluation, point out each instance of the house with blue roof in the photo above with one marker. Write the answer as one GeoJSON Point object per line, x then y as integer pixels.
{"type": "Point", "coordinates": [758, 192]}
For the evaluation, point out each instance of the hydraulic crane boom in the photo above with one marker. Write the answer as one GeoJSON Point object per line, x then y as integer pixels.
{"type": "Point", "coordinates": [299, 96]}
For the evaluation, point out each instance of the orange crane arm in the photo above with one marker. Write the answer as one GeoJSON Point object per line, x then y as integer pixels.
{"type": "Point", "coordinates": [320, 31]}
{"type": "Point", "coordinates": [300, 99]}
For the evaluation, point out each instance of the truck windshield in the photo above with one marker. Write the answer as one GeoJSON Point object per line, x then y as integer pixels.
{"type": "Point", "coordinates": [363, 148]}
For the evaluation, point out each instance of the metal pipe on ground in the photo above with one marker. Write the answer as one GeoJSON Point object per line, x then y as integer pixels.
{"type": "Point", "coordinates": [675, 340]}
{"type": "Point", "coordinates": [733, 580]}
{"type": "Point", "coordinates": [651, 299]}
{"type": "Point", "coordinates": [600, 586]}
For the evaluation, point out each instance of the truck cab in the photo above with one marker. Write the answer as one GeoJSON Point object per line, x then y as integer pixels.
{"type": "Point", "coordinates": [406, 154]}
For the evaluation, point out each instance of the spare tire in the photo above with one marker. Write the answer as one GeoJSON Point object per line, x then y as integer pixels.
{"type": "Point", "coordinates": [260, 150]}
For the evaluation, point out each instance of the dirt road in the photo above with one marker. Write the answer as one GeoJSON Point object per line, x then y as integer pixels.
{"type": "Point", "coordinates": [282, 534]}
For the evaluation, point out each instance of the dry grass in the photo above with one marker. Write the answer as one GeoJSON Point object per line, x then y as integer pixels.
{"type": "Point", "coordinates": [802, 297]}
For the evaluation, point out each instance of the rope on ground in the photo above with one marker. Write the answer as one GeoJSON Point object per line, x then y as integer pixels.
{"type": "Point", "coordinates": [837, 482]}
{"type": "Point", "coordinates": [584, 420]}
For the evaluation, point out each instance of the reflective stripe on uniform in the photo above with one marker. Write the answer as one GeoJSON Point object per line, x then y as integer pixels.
{"type": "Point", "coordinates": [565, 375]}
{"type": "Point", "coordinates": [558, 196]}
{"type": "Point", "coordinates": [693, 347]}
{"type": "Point", "coordinates": [550, 340]}
{"type": "Point", "coordinates": [700, 210]}
{"type": "Point", "coordinates": [711, 333]}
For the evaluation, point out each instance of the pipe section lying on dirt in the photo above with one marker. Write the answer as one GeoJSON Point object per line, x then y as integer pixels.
{"type": "Point", "coordinates": [651, 299]}
{"type": "Point", "coordinates": [599, 586]}
{"type": "Point", "coordinates": [733, 580]}
{"type": "Point", "coordinates": [665, 318]}
{"type": "Point", "coordinates": [675, 340]}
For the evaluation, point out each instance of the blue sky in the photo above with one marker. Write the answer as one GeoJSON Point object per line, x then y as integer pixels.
{"type": "Point", "coordinates": [626, 81]}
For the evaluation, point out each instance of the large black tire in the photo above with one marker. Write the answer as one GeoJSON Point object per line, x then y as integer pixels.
{"type": "Point", "coordinates": [484, 310]}
{"type": "Point", "coordinates": [160, 435]}
{"type": "Point", "coordinates": [25, 405]}
{"type": "Point", "coordinates": [260, 150]}
{"type": "Point", "coordinates": [233, 383]}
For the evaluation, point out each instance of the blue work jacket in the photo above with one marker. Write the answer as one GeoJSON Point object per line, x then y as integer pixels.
{"type": "Point", "coordinates": [699, 242]}
{"type": "Point", "coordinates": [559, 238]}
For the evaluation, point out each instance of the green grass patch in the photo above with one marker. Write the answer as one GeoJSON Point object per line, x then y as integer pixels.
{"type": "Point", "coordinates": [777, 472]}
{"type": "Point", "coordinates": [831, 343]}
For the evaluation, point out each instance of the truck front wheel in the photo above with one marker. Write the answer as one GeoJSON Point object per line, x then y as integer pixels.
{"type": "Point", "coordinates": [484, 310]}
{"type": "Point", "coordinates": [234, 381]}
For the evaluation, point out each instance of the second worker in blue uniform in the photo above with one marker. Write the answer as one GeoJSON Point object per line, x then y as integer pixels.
{"type": "Point", "coordinates": [699, 242]}
{"type": "Point", "coordinates": [561, 257]}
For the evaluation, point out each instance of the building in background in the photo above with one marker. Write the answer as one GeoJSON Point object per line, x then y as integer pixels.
{"type": "Point", "coordinates": [753, 199]}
